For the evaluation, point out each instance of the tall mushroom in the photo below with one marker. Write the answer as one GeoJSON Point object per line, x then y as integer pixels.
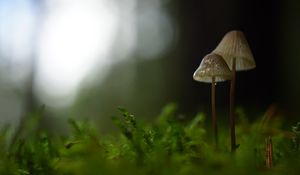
{"type": "Point", "coordinates": [213, 69]}
{"type": "Point", "coordinates": [235, 50]}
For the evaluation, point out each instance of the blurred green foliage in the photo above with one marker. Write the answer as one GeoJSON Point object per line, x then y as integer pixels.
{"type": "Point", "coordinates": [166, 146]}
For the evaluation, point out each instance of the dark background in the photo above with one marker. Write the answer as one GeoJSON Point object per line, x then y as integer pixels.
{"type": "Point", "coordinates": [204, 23]}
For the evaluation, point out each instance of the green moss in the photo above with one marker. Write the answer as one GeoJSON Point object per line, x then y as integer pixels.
{"type": "Point", "coordinates": [167, 146]}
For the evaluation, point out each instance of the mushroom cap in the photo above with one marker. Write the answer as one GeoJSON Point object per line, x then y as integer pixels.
{"type": "Point", "coordinates": [235, 45]}
{"type": "Point", "coordinates": [212, 65]}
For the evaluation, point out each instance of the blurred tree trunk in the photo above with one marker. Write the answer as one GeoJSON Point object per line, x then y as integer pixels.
{"type": "Point", "coordinates": [30, 102]}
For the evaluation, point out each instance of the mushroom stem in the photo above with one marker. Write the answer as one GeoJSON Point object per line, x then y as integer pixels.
{"type": "Point", "coordinates": [269, 152]}
{"type": "Point", "coordinates": [232, 116]}
{"type": "Point", "coordinates": [213, 110]}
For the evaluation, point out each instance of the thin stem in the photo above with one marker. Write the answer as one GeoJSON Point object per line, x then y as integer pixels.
{"type": "Point", "coordinates": [232, 115]}
{"type": "Point", "coordinates": [269, 152]}
{"type": "Point", "coordinates": [213, 111]}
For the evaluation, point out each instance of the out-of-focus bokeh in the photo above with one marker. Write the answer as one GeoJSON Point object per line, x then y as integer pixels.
{"type": "Point", "coordinates": [84, 58]}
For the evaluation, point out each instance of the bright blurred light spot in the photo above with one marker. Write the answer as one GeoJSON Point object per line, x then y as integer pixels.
{"type": "Point", "coordinates": [17, 26]}
{"type": "Point", "coordinates": [155, 29]}
{"type": "Point", "coordinates": [18, 22]}
{"type": "Point", "coordinates": [155, 33]}
{"type": "Point", "coordinates": [73, 39]}
{"type": "Point", "coordinates": [125, 41]}
{"type": "Point", "coordinates": [66, 40]}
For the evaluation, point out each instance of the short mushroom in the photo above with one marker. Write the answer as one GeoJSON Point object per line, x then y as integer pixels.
{"type": "Point", "coordinates": [235, 50]}
{"type": "Point", "coordinates": [213, 69]}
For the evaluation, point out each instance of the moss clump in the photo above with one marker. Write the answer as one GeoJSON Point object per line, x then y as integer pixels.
{"type": "Point", "coordinates": [166, 146]}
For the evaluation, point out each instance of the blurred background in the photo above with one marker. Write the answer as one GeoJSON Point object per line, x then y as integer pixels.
{"type": "Point", "coordinates": [84, 58]}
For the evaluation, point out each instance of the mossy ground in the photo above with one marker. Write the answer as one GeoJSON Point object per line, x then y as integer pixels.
{"type": "Point", "coordinates": [166, 146]}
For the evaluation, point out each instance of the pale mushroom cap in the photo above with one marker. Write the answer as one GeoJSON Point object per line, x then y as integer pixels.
{"type": "Point", "coordinates": [235, 45]}
{"type": "Point", "coordinates": [212, 65]}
